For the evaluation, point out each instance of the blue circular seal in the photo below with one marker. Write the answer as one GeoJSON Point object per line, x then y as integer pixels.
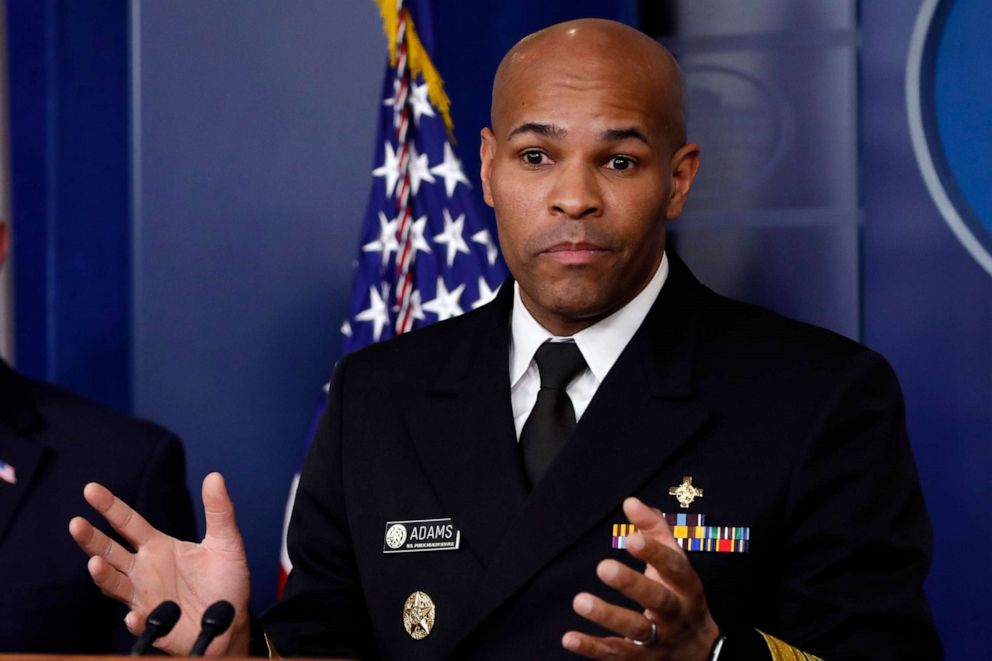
{"type": "Point", "coordinates": [949, 102]}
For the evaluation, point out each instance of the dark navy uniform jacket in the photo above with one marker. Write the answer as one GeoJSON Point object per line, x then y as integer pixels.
{"type": "Point", "coordinates": [791, 431]}
{"type": "Point", "coordinates": [56, 442]}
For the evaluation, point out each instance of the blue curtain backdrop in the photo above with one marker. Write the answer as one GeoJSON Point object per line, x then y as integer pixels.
{"type": "Point", "coordinates": [189, 179]}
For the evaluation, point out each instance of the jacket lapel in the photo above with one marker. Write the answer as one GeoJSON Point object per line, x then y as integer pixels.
{"type": "Point", "coordinates": [462, 426]}
{"type": "Point", "coordinates": [642, 413]}
{"type": "Point", "coordinates": [18, 414]}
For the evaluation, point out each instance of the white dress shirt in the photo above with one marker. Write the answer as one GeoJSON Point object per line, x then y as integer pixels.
{"type": "Point", "coordinates": [601, 344]}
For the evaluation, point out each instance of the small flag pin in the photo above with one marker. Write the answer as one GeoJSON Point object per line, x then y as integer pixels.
{"type": "Point", "coordinates": [7, 473]}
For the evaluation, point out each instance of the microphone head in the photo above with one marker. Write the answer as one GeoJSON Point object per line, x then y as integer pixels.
{"type": "Point", "coordinates": [218, 617]}
{"type": "Point", "coordinates": [163, 618]}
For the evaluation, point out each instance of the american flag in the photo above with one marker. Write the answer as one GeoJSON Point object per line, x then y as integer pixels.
{"type": "Point", "coordinates": [427, 252]}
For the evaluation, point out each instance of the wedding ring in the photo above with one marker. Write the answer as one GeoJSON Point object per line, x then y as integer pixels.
{"type": "Point", "coordinates": [651, 636]}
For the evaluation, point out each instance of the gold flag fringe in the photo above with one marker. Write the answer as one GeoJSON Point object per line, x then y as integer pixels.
{"type": "Point", "coordinates": [418, 61]}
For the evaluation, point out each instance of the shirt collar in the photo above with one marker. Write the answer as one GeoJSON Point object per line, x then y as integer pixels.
{"type": "Point", "coordinates": [601, 344]}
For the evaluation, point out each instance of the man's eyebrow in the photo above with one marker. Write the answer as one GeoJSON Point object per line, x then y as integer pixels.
{"type": "Point", "coordinates": [547, 130]}
{"type": "Point", "coordinates": [616, 135]}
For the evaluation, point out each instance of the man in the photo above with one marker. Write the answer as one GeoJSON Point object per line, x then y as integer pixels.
{"type": "Point", "coordinates": [51, 444]}
{"type": "Point", "coordinates": [619, 375]}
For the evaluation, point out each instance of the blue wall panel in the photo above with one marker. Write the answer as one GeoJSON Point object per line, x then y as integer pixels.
{"type": "Point", "coordinates": [254, 143]}
{"type": "Point", "coordinates": [70, 160]}
{"type": "Point", "coordinates": [29, 28]}
{"type": "Point", "coordinates": [771, 90]}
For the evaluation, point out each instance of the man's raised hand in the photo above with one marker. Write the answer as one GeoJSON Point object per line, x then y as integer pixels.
{"type": "Point", "coordinates": [675, 622]}
{"type": "Point", "coordinates": [162, 567]}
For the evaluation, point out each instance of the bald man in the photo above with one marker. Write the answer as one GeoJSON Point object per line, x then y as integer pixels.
{"type": "Point", "coordinates": [609, 460]}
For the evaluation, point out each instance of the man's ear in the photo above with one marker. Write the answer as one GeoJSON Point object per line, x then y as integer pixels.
{"type": "Point", "coordinates": [487, 151]}
{"type": "Point", "coordinates": [685, 165]}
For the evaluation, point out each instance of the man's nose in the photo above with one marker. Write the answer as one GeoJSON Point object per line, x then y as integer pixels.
{"type": "Point", "coordinates": [576, 193]}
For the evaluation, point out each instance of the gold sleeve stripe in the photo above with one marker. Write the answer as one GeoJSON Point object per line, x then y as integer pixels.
{"type": "Point", "coordinates": [273, 653]}
{"type": "Point", "coordinates": [784, 652]}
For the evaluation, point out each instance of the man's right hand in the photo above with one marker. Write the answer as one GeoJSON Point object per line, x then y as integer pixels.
{"type": "Point", "coordinates": [162, 567]}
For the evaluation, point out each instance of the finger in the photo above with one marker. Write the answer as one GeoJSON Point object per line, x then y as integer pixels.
{"type": "Point", "coordinates": [218, 510]}
{"type": "Point", "coordinates": [649, 520]}
{"type": "Point", "coordinates": [650, 594]}
{"type": "Point", "coordinates": [94, 542]}
{"type": "Point", "coordinates": [134, 623]}
{"type": "Point", "coordinates": [594, 647]}
{"type": "Point", "coordinates": [131, 525]}
{"type": "Point", "coordinates": [110, 581]}
{"type": "Point", "coordinates": [672, 567]}
{"type": "Point", "coordinates": [623, 621]}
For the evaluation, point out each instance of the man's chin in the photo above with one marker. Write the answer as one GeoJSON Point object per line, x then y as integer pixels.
{"type": "Point", "coordinates": [578, 311]}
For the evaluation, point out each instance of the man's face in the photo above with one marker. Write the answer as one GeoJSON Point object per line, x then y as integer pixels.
{"type": "Point", "coordinates": [580, 173]}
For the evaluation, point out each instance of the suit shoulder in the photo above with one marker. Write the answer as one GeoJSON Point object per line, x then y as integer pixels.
{"type": "Point", "coordinates": [746, 339]}
{"type": "Point", "coordinates": [418, 348]}
{"type": "Point", "coordinates": [68, 418]}
{"type": "Point", "coordinates": [729, 320]}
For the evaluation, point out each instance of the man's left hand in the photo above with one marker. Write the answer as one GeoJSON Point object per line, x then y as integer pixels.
{"type": "Point", "coordinates": [675, 622]}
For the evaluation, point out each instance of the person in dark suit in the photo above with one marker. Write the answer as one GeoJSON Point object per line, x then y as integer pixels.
{"type": "Point", "coordinates": [51, 444]}
{"type": "Point", "coordinates": [487, 487]}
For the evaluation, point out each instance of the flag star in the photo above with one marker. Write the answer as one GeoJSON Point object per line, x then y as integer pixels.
{"type": "Point", "coordinates": [445, 304]}
{"type": "Point", "coordinates": [452, 235]}
{"type": "Point", "coordinates": [486, 239]}
{"type": "Point", "coordinates": [416, 309]}
{"type": "Point", "coordinates": [390, 169]}
{"type": "Point", "coordinates": [375, 313]}
{"type": "Point", "coordinates": [346, 328]}
{"type": "Point", "coordinates": [451, 169]}
{"type": "Point", "coordinates": [386, 243]}
{"type": "Point", "coordinates": [418, 169]}
{"type": "Point", "coordinates": [417, 239]}
{"type": "Point", "coordinates": [485, 293]}
{"type": "Point", "coordinates": [419, 102]}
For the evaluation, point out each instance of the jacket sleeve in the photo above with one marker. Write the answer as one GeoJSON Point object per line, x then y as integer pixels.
{"type": "Point", "coordinates": [858, 537]}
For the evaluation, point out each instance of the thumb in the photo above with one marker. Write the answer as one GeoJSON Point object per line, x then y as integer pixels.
{"type": "Point", "coordinates": [218, 511]}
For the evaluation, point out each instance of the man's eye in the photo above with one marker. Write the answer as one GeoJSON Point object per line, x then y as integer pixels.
{"type": "Point", "coordinates": [533, 157]}
{"type": "Point", "coordinates": [620, 163]}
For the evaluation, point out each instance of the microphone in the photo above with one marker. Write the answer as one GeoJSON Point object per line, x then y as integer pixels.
{"type": "Point", "coordinates": [216, 619]}
{"type": "Point", "coordinates": [159, 622]}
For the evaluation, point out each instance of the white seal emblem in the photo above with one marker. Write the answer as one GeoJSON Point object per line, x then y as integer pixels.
{"type": "Point", "coordinates": [396, 536]}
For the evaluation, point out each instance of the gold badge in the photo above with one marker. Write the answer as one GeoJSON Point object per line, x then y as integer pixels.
{"type": "Point", "coordinates": [418, 615]}
{"type": "Point", "coordinates": [685, 493]}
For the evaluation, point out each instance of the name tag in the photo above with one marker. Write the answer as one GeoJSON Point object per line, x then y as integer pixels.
{"type": "Point", "coordinates": [420, 535]}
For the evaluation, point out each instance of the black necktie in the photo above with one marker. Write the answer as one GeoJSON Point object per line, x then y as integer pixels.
{"type": "Point", "coordinates": [553, 418]}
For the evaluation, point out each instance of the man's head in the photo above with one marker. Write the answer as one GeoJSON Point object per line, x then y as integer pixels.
{"type": "Point", "coordinates": [585, 161]}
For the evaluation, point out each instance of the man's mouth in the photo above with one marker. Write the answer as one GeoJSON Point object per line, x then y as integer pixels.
{"type": "Point", "coordinates": [575, 253]}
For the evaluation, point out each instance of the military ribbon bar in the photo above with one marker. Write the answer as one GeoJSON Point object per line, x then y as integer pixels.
{"type": "Point", "coordinates": [691, 534]}
{"type": "Point", "coordinates": [620, 532]}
